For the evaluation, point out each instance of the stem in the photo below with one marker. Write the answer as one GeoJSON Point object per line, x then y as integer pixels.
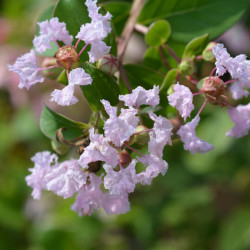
{"type": "Point", "coordinates": [57, 44]}
{"type": "Point", "coordinates": [77, 43]}
{"type": "Point", "coordinates": [233, 80]}
{"type": "Point", "coordinates": [129, 27]}
{"type": "Point", "coordinates": [141, 28]}
{"type": "Point", "coordinates": [127, 146]}
{"type": "Point", "coordinates": [163, 58]}
{"type": "Point", "coordinates": [50, 67]}
{"type": "Point", "coordinates": [67, 71]}
{"type": "Point", "coordinates": [201, 92]}
{"type": "Point", "coordinates": [146, 130]}
{"type": "Point", "coordinates": [212, 72]}
{"type": "Point", "coordinates": [84, 47]}
{"type": "Point", "coordinates": [202, 107]}
{"type": "Point", "coordinates": [172, 53]}
{"type": "Point", "coordinates": [198, 58]}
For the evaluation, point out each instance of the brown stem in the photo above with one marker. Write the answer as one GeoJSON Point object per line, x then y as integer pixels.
{"type": "Point", "coordinates": [141, 28]}
{"type": "Point", "coordinates": [163, 58]}
{"type": "Point", "coordinates": [125, 78]}
{"type": "Point", "coordinates": [129, 27]}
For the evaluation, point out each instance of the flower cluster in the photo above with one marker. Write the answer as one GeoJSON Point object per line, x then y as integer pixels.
{"type": "Point", "coordinates": [214, 92]}
{"type": "Point", "coordinates": [120, 177]}
{"type": "Point", "coordinates": [52, 31]}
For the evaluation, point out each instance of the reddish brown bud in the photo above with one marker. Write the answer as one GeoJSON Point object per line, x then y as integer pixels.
{"type": "Point", "coordinates": [176, 122]}
{"type": "Point", "coordinates": [124, 157]}
{"type": "Point", "coordinates": [66, 56]}
{"type": "Point", "coordinates": [214, 90]}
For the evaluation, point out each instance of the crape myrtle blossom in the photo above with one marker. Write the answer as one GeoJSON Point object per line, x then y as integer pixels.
{"type": "Point", "coordinates": [241, 117]}
{"type": "Point", "coordinates": [52, 31]}
{"type": "Point", "coordinates": [140, 96]}
{"type": "Point", "coordinates": [191, 142]}
{"type": "Point", "coordinates": [27, 70]}
{"type": "Point", "coordinates": [182, 99]}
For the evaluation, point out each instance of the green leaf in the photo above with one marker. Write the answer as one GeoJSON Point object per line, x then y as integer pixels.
{"type": "Point", "coordinates": [120, 13]}
{"type": "Point", "coordinates": [196, 46]}
{"type": "Point", "coordinates": [189, 19]}
{"type": "Point", "coordinates": [103, 86]}
{"type": "Point", "coordinates": [158, 33]}
{"type": "Point", "coordinates": [46, 15]}
{"type": "Point", "coordinates": [169, 79]}
{"type": "Point", "coordinates": [152, 58]}
{"type": "Point", "coordinates": [50, 122]}
{"type": "Point", "coordinates": [140, 75]}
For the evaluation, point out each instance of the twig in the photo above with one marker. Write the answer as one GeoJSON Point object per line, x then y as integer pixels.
{"type": "Point", "coordinates": [141, 28]}
{"type": "Point", "coordinates": [125, 78]}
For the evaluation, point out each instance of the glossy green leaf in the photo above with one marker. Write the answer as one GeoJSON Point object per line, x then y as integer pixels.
{"type": "Point", "coordinates": [103, 86]}
{"type": "Point", "coordinates": [140, 75]}
{"type": "Point", "coordinates": [169, 79]}
{"type": "Point", "coordinates": [196, 46]}
{"type": "Point", "coordinates": [50, 122]}
{"type": "Point", "coordinates": [158, 33]}
{"type": "Point", "coordinates": [189, 19]}
{"type": "Point", "coordinates": [151, 58]}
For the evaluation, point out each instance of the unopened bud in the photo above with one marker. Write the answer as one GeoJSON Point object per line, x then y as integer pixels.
{"type": "Point", "coordinates": [94, 166]}
{"type": "Point", "coordinates": [186, 67]}
{"type": "Point", "coordinates": [124, 157]}
{"type": "Point", "coordinates": [66, 57]}
{"type": "Point", "coordinates": [50, 73]}
{"type": "Point", "coordinates": [214, 90]}
{"type": "Point", "coordinates": [208, 52]}
{"type": "Point", "coordinates": [141, 138]}
{"type": "Point", "coordinates": [108, 64]}
{"type": "Point", "coordinates": [176, 122]}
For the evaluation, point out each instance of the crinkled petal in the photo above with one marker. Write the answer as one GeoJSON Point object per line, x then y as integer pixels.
{"type": "Point", "coordinates": [240, 116]}
{"type": "Point", "coordinates": [65, 179]}
{"type": "Point", "coordinates": [239, 89]}
{"type": "Point", "coordinates": [98, 50]}
{"type": "Point", "coordinates": [182, 99]}
{"type": "Point", "coordinates": [160, 134]}
{"type": "Point", "coordinates": [140, 96]}
{"type": "Point", "coordinates": [27, 70]}
{"type": "Point", "coordinates": [65, 96]}
{"type": "Point", "coordinates": [79, 77]}
{"type": "Point", "coordinates": [191, 142]}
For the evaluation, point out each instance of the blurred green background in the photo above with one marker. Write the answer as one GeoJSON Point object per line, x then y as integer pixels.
{"type": "Point", "coordinates": [203, 202]}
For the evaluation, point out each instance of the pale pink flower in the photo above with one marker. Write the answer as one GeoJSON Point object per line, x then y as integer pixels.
{"type": "Point", "coordinates": [140, 96]}
{"type": "Point", "coordinates": [27, 70]}
{"type": "Point", "coordinates": [240, 116]}
{"type": "Point", "coordinates": [119, 129]}
{"type": "Point", "coordinates": [43, 164]}
{"type": "Point", "coordinates": [119, 182]}
{"type": "Point", "coordinates": [239, 89]}
{"type": "Point", "coordinates": [65, 179]}
{"type": "Point", "coordinates": [98, 150]}
{"type": "Point", "coordinates": [90, 196]}
{"type": "Point", "coordinates": [98, 50]}
{"type": "Point", "coordinates": [51, 30]}
{"type": "Point", "coordinates": [116, 204]}
{"type": "Point", "coordinates": [182, 99]}
{"type": "Point", "coordinates": [155, 167]}
{"type": "Point", "coordinates": [191, 142]}
{"type": "Point", "coordinates": [160, 134]}
{"type": "Point", "coordinates": [79, 77]}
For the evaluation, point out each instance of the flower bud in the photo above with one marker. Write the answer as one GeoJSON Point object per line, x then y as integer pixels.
{"type": "Point", "coordinates": [108, 64]}
{"type": "Point", "coordinates": [208, 52]}
{"type": "Point", "coordinates": [214, 90]}
{"type": "Point", "coordinates": [176, 122]}
{"type": "Point", "coordinates": [124, 157]}
{"type": "Point", "coordinates": [94, 166]}
{"type": "Point", "coordinates": [141, 138]}
{"type": "Point", "coordinates": [50, 73]}
{"type": "Point", "coordinates": [66, 56]}
{"type": "Point", "coordinates": [186, 67]}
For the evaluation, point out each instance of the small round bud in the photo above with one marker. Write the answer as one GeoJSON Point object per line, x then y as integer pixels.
{"type": "Point", "coordinates": [94, 166]}
{"type": "Point", "coordinates": [66, 56]}
{"type": "Point", "coordinates": [176, 122]}
{"type": "Point", "coordinates": [186, 67]}
{"type": "Point", "coordinates": [50, 73]}
{"type": "Point", "coordinates": [108, 64]}
{"type": "Point", "coordinates": [124, 157]}
{"type": "Point", "coordinates": [208, 52]}
{"type": "Point", "coordinates": [214, 90]}
{"type": "Point", "coordinates": [142, 138]}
